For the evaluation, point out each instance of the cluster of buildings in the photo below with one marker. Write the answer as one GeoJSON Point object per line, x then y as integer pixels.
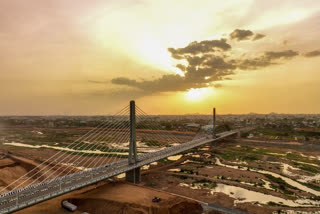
{"type": "Point", "coordinates": [174, 122]}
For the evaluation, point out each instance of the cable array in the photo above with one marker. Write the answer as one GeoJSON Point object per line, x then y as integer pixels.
{"type": "Point", "coordinates": [97, 147]}
{"type": "Point", "coordinates": [152, 131]}
{"type": "Point", "coordinates": [104, 144]}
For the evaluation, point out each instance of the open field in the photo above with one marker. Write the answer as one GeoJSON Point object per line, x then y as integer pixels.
{"type": "Point", "coordinates": [117, 198]}
{"type": "Point", "coordinates": [252, 175]}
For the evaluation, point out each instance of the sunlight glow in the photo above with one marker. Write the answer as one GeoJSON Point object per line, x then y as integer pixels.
{"type": "Point", "coordinates": [196, 94]}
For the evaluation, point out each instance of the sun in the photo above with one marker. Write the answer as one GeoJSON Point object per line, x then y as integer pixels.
{"type": "Point", "coordinates": [196, 94]}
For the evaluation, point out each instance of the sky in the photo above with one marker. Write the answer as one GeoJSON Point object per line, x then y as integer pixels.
{"type": "Point", "coordinates": [81, 57]}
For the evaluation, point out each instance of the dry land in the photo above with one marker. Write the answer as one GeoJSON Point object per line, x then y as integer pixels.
{"type": "Point", "coordinates": [251, 175]}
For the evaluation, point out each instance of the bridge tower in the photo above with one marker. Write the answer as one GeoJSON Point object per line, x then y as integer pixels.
{"type": "Point", "coordinates": [214, 124]}
{"type": "Point", "coordinates": [133, 175]}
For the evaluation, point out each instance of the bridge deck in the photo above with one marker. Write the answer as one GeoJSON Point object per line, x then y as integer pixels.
{"type": "Point", "coordinates": [19, 199]}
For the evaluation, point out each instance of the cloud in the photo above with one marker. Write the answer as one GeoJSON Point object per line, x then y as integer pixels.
{"type": "Point", "coordinates": [181, 67]}
{"type": "Point", "coordinates": [267, 59]}
{"type": "Point", "coordinates": [97, 82]}
{"type": "Point", "coordinates": [218, 85]}
{"type": "Point", "coordinates": [195, 47]}
{"type": "Point", "coordinates": [312, 53]}
{"type": "Point", "coordinates": [166, 83]}
{"type": "Point", "coordinates": [281, 54]}
{"type": "Point", "coordinates": [239, 35]}
{"type": "Point", "coordinates": [258, 36]}
{"type": "Point", "coordinates": [254, 63]}
{"type": "Point", "coordinates": [198, 74]}
{"type": "Point", "coordinates": [124, 81]}
{"type": "Point", "coordinates": [208, 62]}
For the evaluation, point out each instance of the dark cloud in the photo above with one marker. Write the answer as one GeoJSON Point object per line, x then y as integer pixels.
{"type": "Point", "coordinates": [207, 63]}
{"type": "Point", "coordinates": [281, 54]}
{"type": "Point", "coordinates": [124, 81]}
{"type": "Point", "coordinates": [168, 82]}
{"type": "Point", "coordinates": [267, 59]}
{"type": "Point", "coordinates": [200, 72]}
{"type": "Point", "coordinates": [97, 82]}
{"type": "Point", "coordinates": [181, 67]}
{"type": "Point", "coordinates": [254, 63]}
{"type": "Point", "coordinates": [258, 36]}
{"type": "Point", "coordinates": [312, 53]}
{"type": "Point", "coordinates": [239, 34]}
{"type": "Point", "coordinates": [195, 47]}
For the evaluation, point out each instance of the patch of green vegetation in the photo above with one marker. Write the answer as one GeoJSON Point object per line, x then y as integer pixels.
{"type": "Point", "coordinates": [165, 160]}
{"type": "Point", "coordinates": [95, 155]}
{"type": "Point", "coordinates": [250, 157]}
{"type": "Point", "coordinates": [206, 163]}
{"type": "Point", "coordinates": [271, 203]}
{"type": "Point", "coordinates": [260, 151]}
{"type": "Point", "coordinates": [182, 177]}
{"type": "Point", "coordinates": [311, 186]}
{"type": "Point", "coordinates": [91, 147]}
{"type": "Point", "coordinates": [151, 142]}
{"type": "Point", "coordinates": [205, 183]}
{"type": "Point", "coordinates": [309, 168]}
{"type": "Point", "coordinates": [282, 185]}
{"type": "Point", "coordinates": [47, 137]}
{"type": "Point", "coordinates": [187, 171]}
{"type": "Point", "coordinates": [287, 132]}
{"type": "Point", "coordinates": [244, 134]}
{"type": "Point", "coordinates": [298, 157]}
{"type": "Point", "coordinates": [279, 181]}
{"type": "Point", "coordinates": [237, 155]}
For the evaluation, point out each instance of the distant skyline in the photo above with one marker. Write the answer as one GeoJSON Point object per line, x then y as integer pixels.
{"type": "Point", "coordinates": [173, 57]}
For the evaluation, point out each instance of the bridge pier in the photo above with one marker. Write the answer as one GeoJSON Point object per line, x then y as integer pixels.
{"type": "Point", "coordinates": [238, 134]}
{"type": "Point", "coordinates": [133, 176]}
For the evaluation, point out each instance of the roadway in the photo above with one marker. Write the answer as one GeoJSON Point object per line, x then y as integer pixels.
{"type": "Point", "coordinates": [33, 194]}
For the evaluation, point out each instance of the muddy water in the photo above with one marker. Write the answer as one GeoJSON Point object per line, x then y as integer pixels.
{"type": "Point", "coordinates": [243, 195]}
{"type": "Point", "coordinates": [306, 179]}
{"type": "Point", "coordinates": [121, 175]}
{"type": "Point", "coordinates": [145, 167]}
{"type": "Point", "coordinates": [288, 180]}
{"type": "Point", "coordinates": [154, 163]}
{"type": "Point", "coordinates": [174, 170]}
{"type": "Point", "coordinates": [174, 158]}
{"type": "Point", "coordinates": [267, 184]}
{"type": "Point", "coordinates": [63, 148]}
{"type": "Point", "coordinates": [286, 167]}
{"type": "Point", "coordinates": [302, 178]}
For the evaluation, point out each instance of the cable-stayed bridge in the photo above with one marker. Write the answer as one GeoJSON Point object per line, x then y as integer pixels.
{"type": "Point", "coordinates": [121, 144]}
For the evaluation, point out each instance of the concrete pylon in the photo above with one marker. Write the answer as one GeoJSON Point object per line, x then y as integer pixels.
{"type": "Point", "coordinates": [133, 175]}
{"type": "Point", "coordinates": [214, 124]}
{"type": "Point", "coordinates": [132, 145]}
{"type": "Point", "coordinates": [239, 134]}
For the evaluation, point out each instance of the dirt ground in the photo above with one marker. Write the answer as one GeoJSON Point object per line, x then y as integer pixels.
{"type": "Point", "coordinates": [159, 177]}
{"type": "Point", "coordinates": [120, 197]}
{"type": "Point", "coordinates": [117, 198]}
{"type": "Point", "coordinates": [16, 166]}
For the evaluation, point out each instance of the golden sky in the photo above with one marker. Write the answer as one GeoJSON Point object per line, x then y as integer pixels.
{"type": "Point", "coordinates": [173, 57]}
